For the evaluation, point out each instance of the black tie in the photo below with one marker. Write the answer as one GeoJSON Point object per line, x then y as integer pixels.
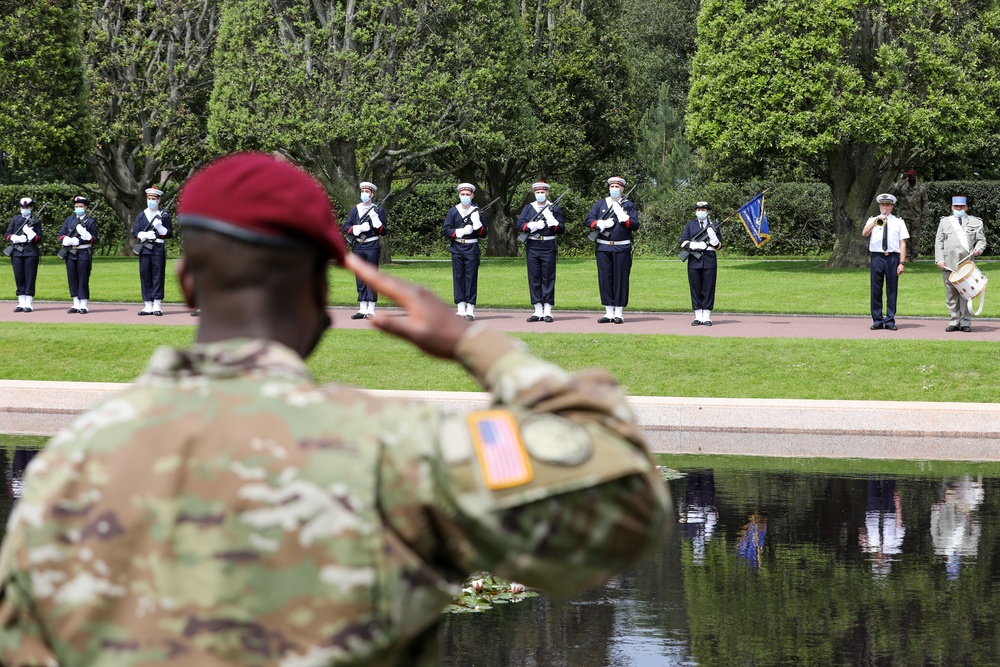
{"type": "Point", "coordinates": [885, 236]}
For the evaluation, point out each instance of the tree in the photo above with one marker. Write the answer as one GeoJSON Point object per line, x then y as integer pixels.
{"type": "Point", "coordinates": [44, 116]}
{"type": "Point", "coordinates": [149, 70]}
{"type": "Point", "coordinates": [664, 154]}
{"type": "Point", "coordinates": [855, 89]}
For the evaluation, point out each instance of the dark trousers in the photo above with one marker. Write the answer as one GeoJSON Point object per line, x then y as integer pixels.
{"type": "Point", "coordinates": [541, 271]}
{"type": "Point", "coordinates": [78, 274]}
{"type": "Point", "coordinates": [883, 271]}
{"type": "Point", "coordinates": [702, 282]}
{"type": "Point", "coordinates": [152, 270]}
{"type": "Point", "coordinates": [25, 271]}
{"type": "Point", "coordinates": [465, 274]}
{"type": "Point", "coordinates": [613, 271]}
{"type": "Point", "coordinates": [370, 253]}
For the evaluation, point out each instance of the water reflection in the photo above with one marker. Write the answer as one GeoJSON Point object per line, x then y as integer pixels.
{"type": "Point", "coordinates": [781, 568]}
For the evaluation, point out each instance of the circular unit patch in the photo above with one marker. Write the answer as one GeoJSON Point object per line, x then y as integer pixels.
{"type": "Point", "coordinates": [556, 441]}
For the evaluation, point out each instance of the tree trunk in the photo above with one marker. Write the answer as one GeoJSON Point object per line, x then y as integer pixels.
{"type": "Point", "coordinates": [335, 165]}
{"type": "Point", "coordinates": [112, 169]}
{"type": "Point", "coordinates": [503, 237]}
{"type": "Point", "coordinates": [855, 174]}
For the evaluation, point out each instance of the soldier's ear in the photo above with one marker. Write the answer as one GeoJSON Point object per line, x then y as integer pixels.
{"type": "Point", "coordinates": [186, 280]}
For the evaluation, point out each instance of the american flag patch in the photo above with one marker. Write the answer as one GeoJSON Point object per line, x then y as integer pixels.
{"type": "Point", "coordinates": [502, 456]}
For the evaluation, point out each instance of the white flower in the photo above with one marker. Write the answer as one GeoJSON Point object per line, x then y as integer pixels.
{"type": "Point", "coordinates": [516, 587]}
{"type": "Point", "coordinates": [477, 585]}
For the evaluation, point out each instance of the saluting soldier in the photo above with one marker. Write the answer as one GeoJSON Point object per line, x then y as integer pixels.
{"type": "Point", "coordinates": [959, 237]}
{"type": "Point", "coordinates": [541, 221]}
{"type": "Point", "coordinates": [24, 233]}
{"type": "Point", "coordinates": [365, 224]}
{"type": "Point", "coordinates": [465, 224]}
{"type": "Point", "coordinates": [78, 235]}
{"type": "Point", "coordinates": [702, 237]}
{"type": "Point", "coordinates": [614, 220]}
{"type": "Point", "coordinates": [151, 229]}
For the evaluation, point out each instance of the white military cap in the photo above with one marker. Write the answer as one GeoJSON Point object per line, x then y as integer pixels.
{"type": "Point", "coordinates": [154, 191]}
{"type": "Point", "coordinates": [539, 185]}
{"type": "Point", "coordinates": [616, 179]}
{"type": "Point", "coordinates": [466, 186]}
{"type": "Point", "coordinates": [885, 199]}
{"type": "Point", "coordinates": [369, 185]}
{"type": "Point", "coordinates": [27, 201]}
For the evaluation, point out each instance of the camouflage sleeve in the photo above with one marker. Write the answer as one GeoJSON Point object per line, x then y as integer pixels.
{"type": "Point", "coordinates": [23, 640]}
{"type": "Point", "coordinates": [568, 497]}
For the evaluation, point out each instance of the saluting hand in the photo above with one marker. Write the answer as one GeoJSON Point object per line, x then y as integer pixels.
{"type": "Point", "coordinates": [428, 323]}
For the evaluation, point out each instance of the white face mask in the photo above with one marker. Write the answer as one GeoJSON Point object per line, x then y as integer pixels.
{"type": "Point", "coordinates": [615, 192]}
{"type": "Point", "coordinates": [365, 197]}
{"type": "Point", "coordinates": [465, 199]}
{"type": "Point", "coordinates": [79, 210]}
{"type": "Point", "coordinates": [701, 215]}
{"type": "Point", "coordinates": [25, 212]}
{"type": "Point", "coordinates": [959, 214]}
{"type": "Point", "coordinates": [540, 197]}
{"type": "Point", "coordinates": [152, 204]}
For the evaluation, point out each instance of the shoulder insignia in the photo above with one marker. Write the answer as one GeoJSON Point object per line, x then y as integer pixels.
{"type": "Point", "coordinates": [556, 441]}
{"type": "Point", "coordinates": [502, 457]}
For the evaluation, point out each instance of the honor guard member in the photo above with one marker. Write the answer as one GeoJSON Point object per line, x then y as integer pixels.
{"type": "Point", "coordinates": [888, 259]}
{"type": "Point", "coordinates": [24, 233]}
{"type": "Point", "coordinates": [911, 206]}
{"type": "Point", "coordinates": [151, 229]}
{"type": "Point", "coordinates": [540, 249]}
{"type": "Point", "coordinates": [465, 224]}
{"type": "Point", "coordinates": [703, 237]}
{"type": "Point", "coordinates": [365, 224]}
{"type": "Point", "coordinates": [228, 510]}
{"type": "Point", "coordinates": [959, 237]}
{"type": "Point", "coordinates": [78, 235]}
{"type": "Point", "coordinates": [614, 220]}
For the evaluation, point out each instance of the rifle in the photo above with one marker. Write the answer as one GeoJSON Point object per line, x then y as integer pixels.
{"type": "Point", "coordinates": [65, 250]}
{"type": "Point", "coordinates": [538, 216]}
{"type": "Point", "coordinates": [593, 235]}
{"type": "Point", "coordinates": [702, 236]}
{"type": "Point", "coordinates": [148, 245]}
{"type": "Point", "coordinates": [465, 220]}
{"type": "Point", "coordinates": [9, 250]}
{"type": "Point", "coordinates": [351, 238]}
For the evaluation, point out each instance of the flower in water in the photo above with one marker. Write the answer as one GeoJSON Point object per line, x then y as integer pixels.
{"type": "Point", "coordinates": [477, 585]}
{"type": "Point", "coordinates": [516, 587]}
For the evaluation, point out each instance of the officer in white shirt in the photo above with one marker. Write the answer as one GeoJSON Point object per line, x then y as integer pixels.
{"type": "Point", "coordinates": [888, 260]}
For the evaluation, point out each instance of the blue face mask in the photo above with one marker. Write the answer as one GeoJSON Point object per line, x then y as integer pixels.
{"type": "Point", "coordinates": [616, 192]}
{"type": "Point", "coordinates": [959, 214]}
{"type": "Point", "coordinates": [25, 212]}
{"type": "Point", "coordinates": [540, 197]}
{"type": "Point", "coordinates": [365, 197]}
{"type": "Point", "coordinates": [465, 199]}
{"type": "Point", "coordinates": [152, 204]}
{"type": "Point", "coordinates": [79, 210]}
{"type": "Point", "coordinates": [701, 215]}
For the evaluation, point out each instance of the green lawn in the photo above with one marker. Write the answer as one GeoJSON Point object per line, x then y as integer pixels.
{"type": "Point", "coordinates": [654, 365]}
{"type": "Point", "coordinates": [749, 286]}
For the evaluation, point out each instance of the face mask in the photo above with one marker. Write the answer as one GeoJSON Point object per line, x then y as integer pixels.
{"type": "Point", "coordinates": [25, 212]}
{"type": "Point", "coordinates": [701, 215]}
{"type": "Point", "coordinates": [465, 199]}
{"type": "Point", "coordinates": [79, 210]}
{"type": "Point", "coordinates": [152, 204]}
{"type": "Point", "coordinates": [959, 214]}
{"type": "Point", "coordinates": [616, 192]}
{"type": "Point", "coordinates": [365, 197]}
{"type": "Point", "coordinates": [540, 197]}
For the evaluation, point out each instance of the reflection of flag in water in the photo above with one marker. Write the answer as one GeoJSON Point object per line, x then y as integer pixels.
{"type": "Point", "coordinates": [754, 219]}
{"type": "Point", "coordinates": [751, 543]}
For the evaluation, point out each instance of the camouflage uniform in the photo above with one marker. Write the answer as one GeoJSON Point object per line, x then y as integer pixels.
{"type": "Point", "coordinates": [911, 206]}
{"type": "Point", "coordinates": [227, 510]}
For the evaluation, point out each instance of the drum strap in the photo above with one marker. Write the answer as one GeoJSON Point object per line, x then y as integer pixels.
{"type": "Point", "coordinates": [963, 238]}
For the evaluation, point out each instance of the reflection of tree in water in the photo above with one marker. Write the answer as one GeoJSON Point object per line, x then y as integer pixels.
{"type": "Point", "coordinates": [13, 480]}
{"type": "Point", "coordinates": [955, 528]}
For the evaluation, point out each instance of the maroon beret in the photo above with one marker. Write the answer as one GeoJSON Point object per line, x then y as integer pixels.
{"type": "Point", "coordinates": [911, 174]}
{"type": "Point", "coordinates": [260, 199]}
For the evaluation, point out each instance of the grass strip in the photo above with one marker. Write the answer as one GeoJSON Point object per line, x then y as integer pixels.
{"type": "Point", "coordinates": [657, 285]}
{"type": "Point", "coordinates": [862, 468]}
{"type": "Point", "coordinates": [646, 365]}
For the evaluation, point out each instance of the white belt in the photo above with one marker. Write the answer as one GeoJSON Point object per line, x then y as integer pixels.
{"type": "Point", "coordinates": [466, 240]}
{"type": "Point", "coordinates": [603, 242]}
{"type": "Point", "coordinates": [82, 247]}
{"type": "Point", "coordinates": [368, 240]}
{"type": "Point", "coordinates": [536, 237]}
{"type": "Point", "coordinates": [157, 240]}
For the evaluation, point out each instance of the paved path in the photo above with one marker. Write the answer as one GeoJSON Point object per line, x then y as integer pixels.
{"type": "Point", "coordinates": [725, 324]}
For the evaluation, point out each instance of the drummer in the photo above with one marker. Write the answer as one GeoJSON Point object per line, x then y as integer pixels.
{"type": "Point", "coordinates": [959, 237]}
{"type": "Point", "coordinates": [888, 260]}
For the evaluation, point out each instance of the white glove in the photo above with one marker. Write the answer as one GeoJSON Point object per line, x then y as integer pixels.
{"type": "Point", "coordinates": [468, 229]}
{"type": "Point", "coordinates": [84, 234]}
{"type": "Point", "coordinates": [376, 221]}
{"type": "Point", "coordinates": [29, 233]}
{"type": "Point", "coordinates": [158, 226]}
{"type": "Point", "coordinates": [68, 240]}
{"type": "Point", "coordinates": [712, 237]}
{"type": "Point", "coordinates": [18, 238]}
{"type": "Point", "coordinates": [697, 245]}
{"type": "Point", "coordinates": [355, 229]}
{"type": "Point", "coordinates": [460, 232]}
{"type": "Point", "coordinates": [620, 213]}
{"type": "Point", "coordinates": [365, 227]}
{"type": "Point", "coordinates": [535, 226]}
{"type": "Point", "coordinates": [150, 235]}
{"type": "Point", "coordinates": [74, 241]}
{"type": "Point", "coordinates": [476, 222]}
{"type": "Point", "coordinates": [605, 224]}
{"type": "Point", "coordinates": [550, 219]}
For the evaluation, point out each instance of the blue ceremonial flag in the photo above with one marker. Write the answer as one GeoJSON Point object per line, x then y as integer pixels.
{"type": "Point", "coordinates": [755, 220]}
